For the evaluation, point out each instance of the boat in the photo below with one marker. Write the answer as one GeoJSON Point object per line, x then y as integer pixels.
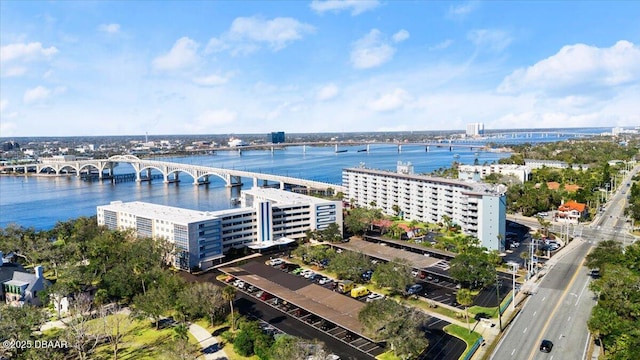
{"type": "Point", "coordinates": [341, 151]}
{"type": "Point", "coordinates": [362, 150]}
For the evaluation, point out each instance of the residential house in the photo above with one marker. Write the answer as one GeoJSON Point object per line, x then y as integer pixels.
{"type": "Point", "coordinates": [19, 287]}
{"type": "Point", "coordinates": [572, 211]}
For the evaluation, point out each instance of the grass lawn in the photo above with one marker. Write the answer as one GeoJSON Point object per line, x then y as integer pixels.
{"type": "Point", "coordinates": [142, 340]}
{"type": "Point", "coordinates": [462, 333]}
{"type": "Point", "coordinates": [389, 355]}
{"type": "Point", "coordinates": [231, 354]}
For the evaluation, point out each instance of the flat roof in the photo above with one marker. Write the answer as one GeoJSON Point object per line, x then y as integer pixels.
{"type": "Point", "coordinates": [387, 253]}
{"type": "Point", "coordinates": [278, 196]}
{"type": "Point", "coordinates": [335, 307]}
{"type": "Point", "coordinates": [475, 187]}
{"type": "Point", "coordinates": [168, 213]}
{"type": "Point", "coordinates": [269, 243]}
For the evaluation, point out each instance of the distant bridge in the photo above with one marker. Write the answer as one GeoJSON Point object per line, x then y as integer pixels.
{"type": "Point", "coordinates": [170, 172]}
{"type": "Point", "coordinates": [473, 143]}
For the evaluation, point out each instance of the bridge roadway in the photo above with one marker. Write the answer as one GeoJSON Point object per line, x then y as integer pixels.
{"type": "Point", "coordinates": [169, 170]}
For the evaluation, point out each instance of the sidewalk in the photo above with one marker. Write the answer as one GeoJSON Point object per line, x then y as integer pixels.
{"type": "Point", "coordinates": [210, 346]}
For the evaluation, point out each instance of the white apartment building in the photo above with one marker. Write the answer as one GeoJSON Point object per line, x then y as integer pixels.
{"type": "Point", "coordinates": [266, 218]}
{"type": "Point", "coordinates": [475, 129]}
{"type": "Point", "coordinates": [539, 164]}
{"type": "Point", "coordinates": [478, 172]}
{"type": "Point", "coordinates": [478, 208]}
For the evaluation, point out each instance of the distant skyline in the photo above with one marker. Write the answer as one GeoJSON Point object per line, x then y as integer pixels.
{"type": "Point", "coordinates": [214, 67]}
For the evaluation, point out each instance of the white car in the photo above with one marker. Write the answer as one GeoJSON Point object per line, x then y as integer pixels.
{"type": "Point", "coordinates": [306, 273]}
{"type": "Point", "coordinates": [309, 274]}
{"type": "Point", "coordinates": [276, 262]}
{"type": "Point", "coordinates": [373, 297]}
{"type": "Point", "coordinates": [324, 280]}
{"type": "Point", "coordinates": [239, 283]}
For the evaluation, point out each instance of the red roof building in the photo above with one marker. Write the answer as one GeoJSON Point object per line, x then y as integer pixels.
{"type": "Point", "coordinates": [573, 210]}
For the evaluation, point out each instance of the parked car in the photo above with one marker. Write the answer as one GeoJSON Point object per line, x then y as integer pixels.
{"type": "Point", "coordinates": [239, 283]}
{"type": "Point", "coordinates": [297, 271]}
{"type": "Point", "coordinates": [275, 262]}
{"type": "Point", "coordinates": [415, 273]}
{"type": "Point", "coordinates": [360, 291]}
{"type": "Point", "coordinates": [324, 280]}
{"type": "Point", "coordinates": [366, 276]}
{"type": "Point", "coordinates": [309, 274]}
{"type": "Point", "coordinates": [414, 289]}
{"type": "Point", "coordinates": [373, 297]}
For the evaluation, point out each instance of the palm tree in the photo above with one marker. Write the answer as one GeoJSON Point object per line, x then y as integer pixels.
{"type": "Point", "coordinates": [229, 294]}
{"type": "Point", "coordinates": [524, 256]}
{"type": "Point", "coordinates": [180, 331]}
{"type": "Point", "coordinates": [464, 298]}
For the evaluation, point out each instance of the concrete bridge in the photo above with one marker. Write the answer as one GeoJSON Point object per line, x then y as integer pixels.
{"type": "Point", "coordinates": [170, 171]}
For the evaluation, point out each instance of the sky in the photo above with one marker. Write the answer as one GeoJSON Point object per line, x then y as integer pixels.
{"type": "Point", "coordinates": [88, 68]}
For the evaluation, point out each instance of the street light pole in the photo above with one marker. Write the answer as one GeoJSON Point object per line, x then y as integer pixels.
{"type": "Point", "coordinates": [514, 269]}
{"type": "Point", "coordinates": [499, 307]}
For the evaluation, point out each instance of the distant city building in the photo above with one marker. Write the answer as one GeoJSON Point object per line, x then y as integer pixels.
{"type": "Point", "coordinates": [479, 209]}
{"type": "Point", "coordinates": [233, 142]}
{"type": "Point", "coordinates": [475, 129]}
{"type": "Point", "coordinates": [479, 172]}
{"type": "Point", "coordinates": [538, 164]}
{"type": "Point", "coordinates": [10, 146]}
{"type": "Point", "coordinates": [276, 137]}
{"type": "Point", "coordinates": [267, 218]}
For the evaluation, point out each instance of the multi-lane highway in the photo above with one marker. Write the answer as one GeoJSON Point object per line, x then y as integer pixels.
{"type": "Point", "coordinates": [560, 307]}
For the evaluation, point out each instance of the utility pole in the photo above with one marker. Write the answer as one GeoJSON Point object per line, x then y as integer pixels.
{"type": "Point", "coordinates": [499, 307]}
{"type": "Point", "coordinates": [514, 270]}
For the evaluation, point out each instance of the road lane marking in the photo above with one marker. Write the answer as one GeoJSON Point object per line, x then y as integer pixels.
{"type": "Point", "coordinates": [525, 330]}
{"type": "Point", "coordinates": [579, 296]}
{"type": "Point", "coordinates": [534, 313]}
{"type": "Point", "coordinates": [555, 309]}
{"type": "Point", "coordinates": [544, 298]}
{"type": "Point", "coordinates": [514, 350]}
{"type": "Point", "coordinates": [569, 319]}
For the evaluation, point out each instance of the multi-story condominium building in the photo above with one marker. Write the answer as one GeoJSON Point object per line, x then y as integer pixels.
{"type": "Point", "coordinates": [266, 218]}
{"type": "Point", "coordinates": [539, 164]}
{"type": "Point", "coordinates": [478, 172]}
{"type": "Point", "coordinates": [475, 129]}
{"type": "Point", "coordinates": [478, 208]}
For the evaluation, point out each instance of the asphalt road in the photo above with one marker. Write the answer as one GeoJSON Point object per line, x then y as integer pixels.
{"type": "Point", "coordinates": [555, 312]}
{"type": "Point", "coordinates": [559, 310]}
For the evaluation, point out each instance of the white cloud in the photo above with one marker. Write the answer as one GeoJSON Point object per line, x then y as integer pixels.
{"type": "Point", "coordinates": [356, 6]}
{"type": "Point", "coordinates": [26, 52]}
{"type": "Point", "coordinates": [400, 36]}
{"type": "Point", "coordinates": [391, 101]}
{"type": "Point", "coordinates": [210, 120]}
{"type": "Point", "coordinates": [579, 68]}
{"type": "Point", "coordinates": [327, 92]}
{"type": "Point", "coordinates": [41, 93]}
{"type": "Point", "coordinates": [13, 71]}
{"type": "Point", "coordinates": [277, 33]}
{"type": "Point", "coordinates": [182, 54]}
{"type": "Point", "coordinates": [4, 104]}
{"type": "Point", "coordinates": [462, 10]}
{"type": "Point", "coordinates": [441, 45]}
{"type": "Point", "coordinates": [109, 28]}
{"type": "Point", "coordinates": [211, 80]}
{"type": "Point", "coordinates": [489, 39]}
{"type": "Point", "coordinates": [371, 51]}
{"type": "Point", "coordinates": [37, 94]}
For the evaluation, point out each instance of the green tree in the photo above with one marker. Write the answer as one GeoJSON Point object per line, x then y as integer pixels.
{"type": "Point", "coordinates": [472, 269]}
{"type": "Point", "coordinates": [350, 265]}
{"type": "Point", "coordinates": [464, 298]}
{"type": "Point", "coordinates": [229, 294]}
{"type": "Point", "coordinates": [607, 252]}
{"type": "Point", "coordinates": [395, 275]}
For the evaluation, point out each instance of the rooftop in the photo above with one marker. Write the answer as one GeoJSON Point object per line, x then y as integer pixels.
{"type": "Point", "coordinates": [472, 187]}
{"type": "Point", "coordinates": [163, 212]}
{"type": "Point", "coordinates": [281, 196]}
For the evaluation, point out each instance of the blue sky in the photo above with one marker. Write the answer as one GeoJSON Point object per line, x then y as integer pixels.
{"type": "Point", "coordinates": [216, 67]}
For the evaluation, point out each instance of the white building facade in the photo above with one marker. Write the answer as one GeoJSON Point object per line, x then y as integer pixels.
{"type": "Point", "coordinates": [478, 172]}
{"type": "Point", "coordinates": [266, 218]}
{"type": "Point", "coordinates": [475, 129]}
{"type": "Point", "coordinates": [478, 208]}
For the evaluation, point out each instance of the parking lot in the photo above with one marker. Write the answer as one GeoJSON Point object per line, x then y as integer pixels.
{"type": "Point", "coordinates": [315, 305]}
{"type": "Point", "coordinates": [433, 271]}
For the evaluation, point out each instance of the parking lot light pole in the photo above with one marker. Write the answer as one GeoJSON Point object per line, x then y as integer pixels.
{"type": "Point", "coordinates": [499, 307]}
